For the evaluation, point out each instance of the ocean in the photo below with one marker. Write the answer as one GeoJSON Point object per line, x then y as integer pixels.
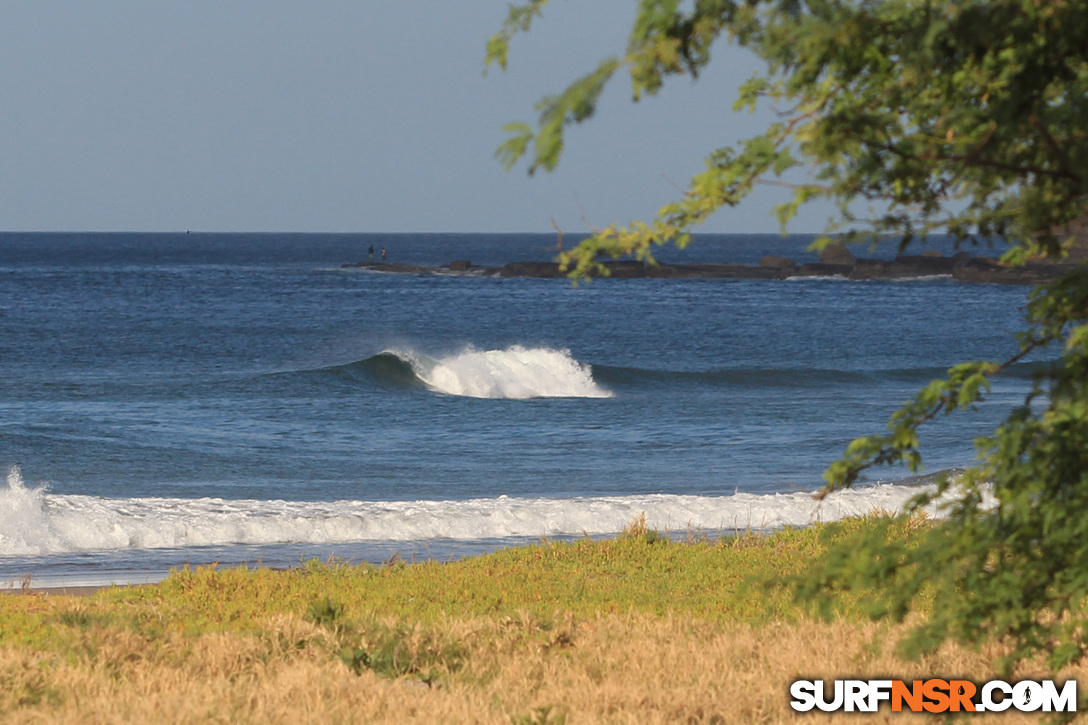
{"type": "Point", "coordinates": [171, 400]}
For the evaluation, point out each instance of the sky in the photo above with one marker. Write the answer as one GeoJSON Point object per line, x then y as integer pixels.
{"type": "Point", "coordinates": [338, 116]}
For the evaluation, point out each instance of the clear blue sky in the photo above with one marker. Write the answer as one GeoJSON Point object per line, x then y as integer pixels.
{"type": "Point", "coordinates": [334, 116]}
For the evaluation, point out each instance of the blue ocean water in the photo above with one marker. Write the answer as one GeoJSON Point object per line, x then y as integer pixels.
{"type": "Point", "coordinates": [168, 399]}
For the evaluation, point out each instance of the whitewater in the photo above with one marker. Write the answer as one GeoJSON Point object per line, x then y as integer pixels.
{"type": "Point", "coordinates": [35, 522]}
{"type": "Point", "coordinates": [515, 373]}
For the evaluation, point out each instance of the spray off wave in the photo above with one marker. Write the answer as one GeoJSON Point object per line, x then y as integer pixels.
{"type": "Point", "coordinates": [34, 522]}
{"type": "Point", "coordinates": [517, 373]}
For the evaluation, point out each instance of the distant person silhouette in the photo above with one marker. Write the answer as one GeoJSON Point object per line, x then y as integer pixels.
{"type": "Point", "coordinates": [383, 254]}
{"type": "Point", "coordinates": [370, 253]}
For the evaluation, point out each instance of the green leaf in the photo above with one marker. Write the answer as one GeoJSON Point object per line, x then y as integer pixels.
{"type": "Point", "coordinates": [513, 148]}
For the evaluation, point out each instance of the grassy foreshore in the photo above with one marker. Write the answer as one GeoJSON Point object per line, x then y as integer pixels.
{"type": "Point", "coordinates": [634, 629]}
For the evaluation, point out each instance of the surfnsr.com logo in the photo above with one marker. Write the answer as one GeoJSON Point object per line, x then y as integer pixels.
{"type": "Point", "coordinates": [934, 695]}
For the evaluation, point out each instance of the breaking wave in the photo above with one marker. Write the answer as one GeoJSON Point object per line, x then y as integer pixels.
{"type": "Point", "coordinates": [514, 373]}
{"type": "Point", "coordinates": [35, 522]}
{"type": "Point", "coordinates": [519, 372]}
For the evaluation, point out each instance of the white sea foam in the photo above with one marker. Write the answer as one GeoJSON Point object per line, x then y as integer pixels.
{"type": "Point", "coordinates": [516, 372]}
{"type": "Point", "coordinates": [34, 521]}
{"type": "Point", "coordinates": [923, 278]}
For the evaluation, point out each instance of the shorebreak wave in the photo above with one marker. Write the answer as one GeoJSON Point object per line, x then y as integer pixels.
{"type": "Point", "coordinates": [35, 522]}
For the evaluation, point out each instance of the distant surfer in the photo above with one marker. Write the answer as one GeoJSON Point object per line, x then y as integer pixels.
{"type": "Point", "coordinates": [370, 253]}
{"type": "Point", "coordinates": [383, 254]}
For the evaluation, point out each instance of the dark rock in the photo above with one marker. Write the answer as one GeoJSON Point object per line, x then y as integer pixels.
{"type": "Point", "coordinates": [991, 263]}
{"type": "Point", "coordinates": [773, 262]}
{"type": "Point", "coordinates": [531, 269]}
{"type": "Point", "coordinates": [987, 270]}
{"type": "Point", "coordinates": [962, 267]}
{"type": "Point", "coordinates": [981, 269]}
{"type": "Point", "coordinates": [824, 270]}
{"type": "Point", "coordinates": [632, 269]}
{"type": "Point", "coordinates": [870, 269]}
{"type": "Point", "coordinates": [836, 254]}
{"type": "Point", "coordinates": [920, 265]}
{"type": "Point", "coordinates": [725, 271]}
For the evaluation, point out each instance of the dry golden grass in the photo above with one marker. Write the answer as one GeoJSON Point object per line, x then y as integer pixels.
{"type": "Point", "coordinates": [632, 630]}
{"type": "Point", "coordinates": [633, 668]}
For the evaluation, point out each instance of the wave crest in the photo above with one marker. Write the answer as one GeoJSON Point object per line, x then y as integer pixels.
{"type": "Point", "coordinates": [517, 373]}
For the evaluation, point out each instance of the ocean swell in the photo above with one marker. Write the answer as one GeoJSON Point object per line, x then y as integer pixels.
{"type": "Point", "coordinates": [520, 372]}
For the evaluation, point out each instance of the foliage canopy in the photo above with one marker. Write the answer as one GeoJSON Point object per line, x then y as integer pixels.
{"type": "Point", "coordinates": [966, 117]}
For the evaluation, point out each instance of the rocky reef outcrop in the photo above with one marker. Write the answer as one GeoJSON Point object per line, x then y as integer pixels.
{"type": "Point", "coordinates": [835, 261]}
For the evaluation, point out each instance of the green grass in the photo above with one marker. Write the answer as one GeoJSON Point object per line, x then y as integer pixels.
{"type": "Point", "coordinates": [704, 580]}
{"type": "Point", "coordinates": [716, 581]}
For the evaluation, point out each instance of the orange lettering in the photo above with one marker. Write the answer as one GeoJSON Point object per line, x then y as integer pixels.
{"type": "Point", "coordinates": [962, 691]}
{"type": "Point", "coordinates": [913, 696]}
{"type": "Point", "coordinates": [935, 690]}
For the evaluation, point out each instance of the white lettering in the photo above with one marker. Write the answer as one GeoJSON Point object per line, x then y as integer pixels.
{"type": "Point", "coordinates": [804, 695]}
{"type": "Point", "coordinates": [1027, 696]}
{"type": "Point", "coordinates": [822, 702]}
{"type": "Point", "coordinates": [988, 700]}
{"type": "Point", "coordinates": [856, 695]}
{"type": "Point", "coordinates": [879, 691]}
{"type": "Point", "coordinates": [1065, 701]}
